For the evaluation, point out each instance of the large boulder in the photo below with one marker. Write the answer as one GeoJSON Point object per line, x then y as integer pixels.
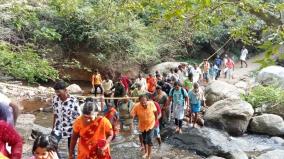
{"type": "Point", "coordinates": [74, 89]}
{"type": "Point", "coordinates": [207, 142]}
{"type": "Point", "coordinates": [231, 115]}
{"type": "Point", "coordinates": [165, 66]}
{"type": "Point", "coordinates": [218, 90]}
{"type": "Point", "coordinates": [274, 109]}
{"type": "Point", "coordinates": [271, 75]}
{"type": "Point", "coordinates": [275, 154]}
{"type": "Point", "coordinates": [267, 124]}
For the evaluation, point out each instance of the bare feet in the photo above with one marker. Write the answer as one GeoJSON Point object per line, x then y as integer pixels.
{"type": "Point", "coordinates": [145, 155]}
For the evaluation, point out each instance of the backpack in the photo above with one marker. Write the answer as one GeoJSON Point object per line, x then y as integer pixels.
{"type": "Point", "coordinates": [218, 62]}
{"type": "Point", "coordinates": [182, 92]}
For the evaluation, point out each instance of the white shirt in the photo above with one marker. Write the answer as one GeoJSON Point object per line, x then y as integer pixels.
{"type": "Point", "coordinates": [107, 85]}
{"type": "Point", "coordinates": [244, 53]}
{"type": "Point", "coordinates": [196, 74]}
{"type": "Point", "coordinates": [141, 82]}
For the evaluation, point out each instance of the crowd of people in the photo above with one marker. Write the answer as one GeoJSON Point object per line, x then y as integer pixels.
{"type": "Point", "coordinates": [154, 101]}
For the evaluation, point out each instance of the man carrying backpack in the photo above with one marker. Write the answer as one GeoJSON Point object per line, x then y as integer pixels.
{"type": "Point", "coordinates": [179, 97]}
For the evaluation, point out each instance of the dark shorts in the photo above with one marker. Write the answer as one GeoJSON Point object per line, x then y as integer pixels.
{"type": "Point", "coordinates": [147, 137]}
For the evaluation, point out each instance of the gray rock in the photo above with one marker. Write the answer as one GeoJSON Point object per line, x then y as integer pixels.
{"type": "Point", "coordinates": [278, 140]}
{"type": "Point", "coordinates": [271, 75]}
{"type": "Point", "coordinates": [25, 124]}
{"type": "Point", "coordinates": [267, 124]}
{"type": "Point", "coordinates": [219, 90]}
{"type": "Point", "coordinates": [74, 89]}
{"type": "Point", "coordinates": [214, 157]}
{"type": "Point", "coordinates": [275, 154]}
{"type": "Point", "coordinates": [231, 115]}
{"type": "Point", "coordinates": [40, 129]}
{"type": "Point", "coordinates": [274, 109]}
{"type": "Point", "coordinates": [207, 141]}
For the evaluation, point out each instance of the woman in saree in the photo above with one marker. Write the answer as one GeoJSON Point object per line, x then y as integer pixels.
{"type": "Point", "coordinates": [95, 133]}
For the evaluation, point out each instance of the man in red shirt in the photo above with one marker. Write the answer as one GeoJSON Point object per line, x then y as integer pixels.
{"type": "Point", "coordinates": [125, 81]}
{"type": "Point", "coordinates": [158, 115]}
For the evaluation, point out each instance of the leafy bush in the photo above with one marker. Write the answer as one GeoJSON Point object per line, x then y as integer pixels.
{"type": "Point", "coordinates": [25, 64]}
{"type": "Point", "coordinates": [269, 95]}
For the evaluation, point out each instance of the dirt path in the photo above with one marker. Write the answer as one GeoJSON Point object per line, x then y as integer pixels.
{"type": "Point", "coordinates": [252, 66]}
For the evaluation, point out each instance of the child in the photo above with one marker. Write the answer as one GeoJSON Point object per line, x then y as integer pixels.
{"type": "Point", "coordinates": [44, 148]}
{"type": "Point", "coordinates": [195, 97]}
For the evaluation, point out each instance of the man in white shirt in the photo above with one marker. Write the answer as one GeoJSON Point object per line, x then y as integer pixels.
{"type": "Point", "coordinates": [243, 57]}
{"type": "Point", "coordinates": [142, 82]}
{"type": "Point", "coordinates": [196, 72]}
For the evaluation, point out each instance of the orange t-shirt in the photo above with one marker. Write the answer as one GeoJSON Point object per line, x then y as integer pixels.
{"type": "Point", "coordinates": [151, 84]}
{"type": "Point", "coordinates": [97, 79]}
{"type": "Point", "coordinates": [101, 132]}
{"type": "Point", "coordinates": [146, 116]}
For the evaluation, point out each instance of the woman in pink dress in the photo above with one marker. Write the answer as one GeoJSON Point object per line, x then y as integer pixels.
{"type": "Point", "coordinates": [9, 136]}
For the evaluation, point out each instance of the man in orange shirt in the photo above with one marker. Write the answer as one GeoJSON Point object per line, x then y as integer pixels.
{"type": "Point", "coordinates": [145, 111]}
{"type": "Point", "coordinates": [97, 82]}
{"type": "Point", "coordinates": [151, 83]}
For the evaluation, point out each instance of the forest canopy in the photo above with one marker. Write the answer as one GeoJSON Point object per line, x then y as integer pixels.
{"type": "Point", "coordinates": [140, 32]}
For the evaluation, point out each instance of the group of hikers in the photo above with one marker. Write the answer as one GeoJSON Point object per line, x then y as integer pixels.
{"type": "Point", "coordinates": [93, 123]}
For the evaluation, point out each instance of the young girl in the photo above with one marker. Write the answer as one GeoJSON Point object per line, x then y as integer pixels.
{"type": "Point", "coordinates": [195, 97]}
{"type": "Point", "coordinates": [44, 148]}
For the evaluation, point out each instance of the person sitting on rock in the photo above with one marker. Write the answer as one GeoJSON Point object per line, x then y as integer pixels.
{"type": "Point", "coordinates": [9, 111]}
{"type": "Point", "coordinates": [44, 147]}
{"type": "Point", "coordinates": [9, 135]}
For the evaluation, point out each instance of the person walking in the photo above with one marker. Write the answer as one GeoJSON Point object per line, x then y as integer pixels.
{"type": "Point", "coordinates": [206, 67]}
{"type": "Point", "coordinates": [94, 133]}
{"type": "Point", "coordinates": [179, 98]}
{"type": "Point", "coordinates": [244, 53]}
{"type": "Point", "coordinates": [195, 97]}
{"type": "Point", "coordinates": [218, 66]}
{"type": "Point", "coordinates": [230, 66]}
{"type": "Point", "coordinates": [9, 111]}
{"type": "Point", "coordinates": [145, 111]}
{"type": "Point", "coordinates": [65, 111]}
{"type": "Point", "coordinates": [9, 136]}
{"type": "Point", "coordinates": [97, 82]}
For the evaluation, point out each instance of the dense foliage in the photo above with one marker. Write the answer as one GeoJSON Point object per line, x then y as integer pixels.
{"type": "Point", "coordinates": [265, 95]}
{"type": "Point", "coordinates": [25, 64]}
{"type": "Point", "coordinates": [141, 31]}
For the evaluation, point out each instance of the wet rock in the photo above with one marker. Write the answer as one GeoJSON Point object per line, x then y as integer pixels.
{"type": "Point", "coordinates": [271, 75]}
{"type": "Point", "coordinates": [207, 142]}
{"type": "Point", "coordinates": [38, 130]}
{"type": "Point", "coordinates": [219, 90]}
{"type": "Point", "coordinates": [275, 154]}
{"type": "Point", "coordinates": [278, 140]}
{"type": "Point", "coordinates": [267, 124]}
{"type": "Point", "coordinates": [74, 89]}
{"type": "Point", "coordinates": [231, 115]}
{"type": "Point", "coordinates": [25, 124]}
{"type": "Point", "coordinates": [215, 157]}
